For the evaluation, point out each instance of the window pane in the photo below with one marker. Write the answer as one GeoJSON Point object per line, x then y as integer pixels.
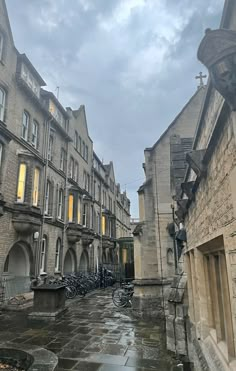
{"type": "Point", "coordinates": [103, 224]}
{"type": "Point", "coordinates": [47, 198]}
{"type": "Point", "coordinates": [60, 200]}
{"type": "Point", "coordinates": [21, 183]}
{"type": "Point", "coordinates": [70, 208]}
{"type": "Point", "coordinates": [58, 253]}
{"type": "Point", "coordinates": [36, 187]}
{"type": "Point", "coordinates": [1, 46]}
{"type": "Point", "coordinates": [35, 134]}
{"type": "Point", "coordinates": [79, 211]}
{"type": "Point", "coordinates": [2, 103]}
{"type": "Point", "coordinates": [43, 255]}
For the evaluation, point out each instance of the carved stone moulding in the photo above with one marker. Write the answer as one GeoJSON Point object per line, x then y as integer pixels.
{"type": "Point", "coordinates": [217, 52]}
{"type": "Point", "coordinates": [74, 232]}
{"type": "Point", "coordinates": [25, 224]}
{"type": "Point", "coordinates": [87, 236]}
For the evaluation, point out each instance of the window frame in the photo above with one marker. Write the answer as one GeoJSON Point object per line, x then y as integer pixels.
{"type": "Point", "coordinates": [63, 159]}
{"type": "Point", "coordinates": [2, 104]}
{"type": "Point", "coordinates": [47, 198]}
{"type": "Point", "coordinates": [35, 124]}
{"type": "Point", "coordinates": [58, 255]}
{"type": "Point", "coordinates": [35, 200]}
{"type": "Point", "coordinates": [43, 255]}
{"type": "Point", "coordinates": [70, 208]}
{"type": "Point", "coordinates": [60, 204]}
{"type": "Point", "coordinates": [25, 126]}
{"type": "Point", "coordinates": [21, 199]}
{"type": "Point", "coordinates": [1, 45]}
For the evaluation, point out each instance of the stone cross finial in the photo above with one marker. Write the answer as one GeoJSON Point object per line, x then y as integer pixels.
{"type": "Point", "coordinates": [201, 77]}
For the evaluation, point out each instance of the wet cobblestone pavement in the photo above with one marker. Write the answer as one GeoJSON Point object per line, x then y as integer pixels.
{"type": "Point", "coordinates": [94, 335]}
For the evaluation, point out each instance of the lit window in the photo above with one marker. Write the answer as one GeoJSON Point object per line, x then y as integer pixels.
{"type": "Point", "coordinates": [2, 103]}
{"type": "Point", "coordinates": [103, 224]}
{"type": "Point", "coordinates": [36, 187]}
{"type": "Point", "coordinates": [70, 208]}
{"type": "Point", "coordinates": [47, 198]}
{"type": "Point", "coordinates": [76, 174]}
{"type": "Point", "coordinates": [43, 255]}
{"type": "Point", "coordinates": [58, 255]}
{"type": "Point", "coordinates": [79, 211]}
{"type": "Point", "coordinates": [1, 46]}
{"type": "Point", "coordinates": [63, 159]}
{"type": "Point", "coordinates": [25, 125]}
{"type": "Point", "coordinates": [35, 130]}
{"type": "Point", "coordinates": [21, 183]}
{"type": "Point", "coordinates": [60, 203]}
{"type": "Point", "coordinates": [50, 146]}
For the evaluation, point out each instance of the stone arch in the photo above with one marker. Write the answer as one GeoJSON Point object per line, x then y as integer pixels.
{"type": "Point", "coordinates": [70, 261]}
{"type": "Point", "coordinates": [19, 261]}
{"type": "Point", "coordinates": [84, 261]}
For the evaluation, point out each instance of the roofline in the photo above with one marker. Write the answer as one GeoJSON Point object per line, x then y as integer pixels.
{"type": "Point", "coordinates": [8, 22]}
{"type": "Point", "coordinates": [50, 95]}
{"type": "Point", "coordinates": [148, 149]}
{"type": "Point", "coordinates": [23, 58]}
{"type": "Point", "coordinates": [97, 158]}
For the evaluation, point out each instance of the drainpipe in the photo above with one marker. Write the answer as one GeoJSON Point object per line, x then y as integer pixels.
{"type": "Point", "coordinates": [45, 156]}
{"type": "Point", "coordinates": [66, 195]}
{"type": "Point", "coordinates": [174, 241]}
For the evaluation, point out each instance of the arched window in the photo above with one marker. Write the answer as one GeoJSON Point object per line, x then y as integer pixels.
{"type": "Point", "coordinates": [58, 255]}
{"type": "Point", "coordinates": [43, 255]}
{"type": "Point", "coordinates": [2, 101]}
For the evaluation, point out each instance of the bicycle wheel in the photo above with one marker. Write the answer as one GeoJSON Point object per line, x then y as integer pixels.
{"type": "Point", "coordinates": [120, 297]}
{"type": "Point", "coordinates": [70, 292]}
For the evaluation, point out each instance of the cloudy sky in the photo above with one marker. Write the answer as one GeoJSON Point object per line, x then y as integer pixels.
{"type": "Point", "coordinates": [131, 62]}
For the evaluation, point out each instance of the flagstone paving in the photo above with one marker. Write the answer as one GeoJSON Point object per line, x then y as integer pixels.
{"type": "Point", "coordinates": [94, 335]}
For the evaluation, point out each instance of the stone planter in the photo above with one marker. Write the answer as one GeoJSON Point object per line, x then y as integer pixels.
{"type": "Point", "coordinates": [49, 301]}
{"type": "Point", "coordinates": [31, 358]}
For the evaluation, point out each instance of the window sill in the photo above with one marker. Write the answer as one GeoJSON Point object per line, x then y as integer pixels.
{"type": "Point", "coordinates": [57, 272]}
{"type": "Point", "coordinates": [43, 273]}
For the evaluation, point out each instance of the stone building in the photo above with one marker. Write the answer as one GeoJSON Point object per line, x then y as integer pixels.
{"type": "Point", "coordinates": [51, 219]}
{"type": "Point", "coordinates": [209, 207]}
{"type": "Point", "coordinates": [155, 250]}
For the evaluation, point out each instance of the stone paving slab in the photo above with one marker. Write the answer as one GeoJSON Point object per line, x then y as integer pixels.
{"type": "Point", "coordinates": [94, 335]}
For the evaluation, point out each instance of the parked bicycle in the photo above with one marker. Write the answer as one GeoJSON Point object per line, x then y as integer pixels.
{"type": "Point", "coordinates": [122, 296]}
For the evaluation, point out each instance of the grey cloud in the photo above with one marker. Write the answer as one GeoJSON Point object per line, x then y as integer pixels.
{"type": "Point", "coordinates": [133, 76]}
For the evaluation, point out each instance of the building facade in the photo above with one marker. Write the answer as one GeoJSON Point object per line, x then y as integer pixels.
{"type": "Point", "coordinates": [57, 212]}
{"type": "Point", "coordinates": [210, 210]}
{"type": "Point", "coordinates": [154, 243]}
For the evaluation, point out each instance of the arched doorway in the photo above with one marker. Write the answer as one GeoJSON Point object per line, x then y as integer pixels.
{"type": "Point", "coordinates": [84, 262]}
{"type": "Point", "coordinates": [17, 262]}
{"type": "Point", "coordinates": [70, 262]}
{"type": "Point", "coordinates": [18, 267]}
